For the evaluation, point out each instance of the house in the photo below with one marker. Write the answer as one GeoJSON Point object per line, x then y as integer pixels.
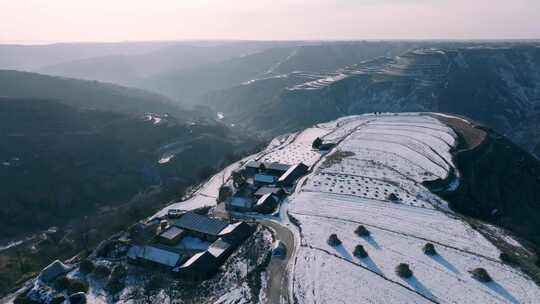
{"type": "Point", "coordinates": [239, 204]}
{"type": "Point", "coordinates": [205, 263]}
{"type": "Point", "coordinates": [235, 233]}
{"type": "Point", "coordinates": [276, 169]}
{"type": "Point", "coordinates": [156, 254]}
{"type": "Point", "coordinates": [252, 167]}
{"type": "Point", "coordinates": [171, 235]}
{"type": "Point", "coordinates": [199, 266]}
{"type": "Point", "coordinates": [220, 249]}
{"type": "Point", "coordinates": [272, 190]}
{"type": "Point", "coordinates": [200, 226]}
{"type": "Point", "coordinates": [279, 249]}
{"type": "Point", "coordinates": [191, 245]}
{"type": "Point", "coordinates": [54, 270]}
{"type": "Point", "coordinates": [267, 203]}
{"type": "Point", "coordinates": [175, 213]}
{"type": "Point", "coordinates": [288, 178]}
{"type": "Point", "coordinates": [264, 179]}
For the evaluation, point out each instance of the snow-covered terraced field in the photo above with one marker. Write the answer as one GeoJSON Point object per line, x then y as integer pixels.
{"type": "Point", "coordinates": [378, 155]}
{"type": "Point", "coordinates": [443, 278]}
{"type": "Point", "coordinates": [428, 224]}
{"type": "Point", "coordinates": [364, 187]}
{"type": "Point", "coordinates": [322, 82]}
{"type": "Point", "coordinates": [343, 126]}
{"type": "Point", "coordinates": [299, 150]}
{"type": "Point", "coordinates": [322, 280]}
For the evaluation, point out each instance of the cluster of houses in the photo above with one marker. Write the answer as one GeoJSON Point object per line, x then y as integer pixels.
{"type": "Point", "coordinates": [192, 245]}
{"type": "Point", "coordinates": [195, 245]}
{"type": "Point", "coordinates": [264, 186]}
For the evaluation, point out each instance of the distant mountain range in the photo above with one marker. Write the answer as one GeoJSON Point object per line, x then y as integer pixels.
{"type": "Point", "coordinates": [131, 68]}
{"type": "Point", "coordinates": [190, 85]}
{"type": "Point", "coordinates": [33, 57]}
{"type": "Point", "coordinates": [258, 84]}
{"type": "Point", "coordinates": [498, 85]}
{"type": "Point", "coordinates": [83, 94]}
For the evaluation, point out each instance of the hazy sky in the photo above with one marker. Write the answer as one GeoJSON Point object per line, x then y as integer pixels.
{"type": "Point", "coordinates": [114, 20]}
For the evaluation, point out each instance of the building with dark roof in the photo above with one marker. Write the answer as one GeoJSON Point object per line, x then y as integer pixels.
{"type": "Point", "coordinates": [264, 179]}
{"type": "Point", "coordinates": [199, 266]}
{"type": "Point", "coordinates": [288, 178]}
{"type": "Point", "coordinates": [200, 226]}
{"type": "Point", "coordinates": [156, 254]}
{"type": "Point", "coordinates": [171, 235]}
{"type": "Point", "coordinates": [255, 165]}
{"type": "Point", "coordinates": [239, 204]}
{"type": "Point", "coordinates": [276, 169]}
{"type": "Point", "coordinates": [267, 203]}
{"type": "Point", "coordinates": [220, 249]}
{"type": "Point", "coordinates": [237, 232]}
{"type": "Point", "coordinates": [54, 270]}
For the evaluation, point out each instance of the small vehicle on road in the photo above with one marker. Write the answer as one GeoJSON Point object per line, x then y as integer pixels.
{"type": "Point", "coordinates": [279, 249]}
{"type": "Point", "coordinates": [175, 213]}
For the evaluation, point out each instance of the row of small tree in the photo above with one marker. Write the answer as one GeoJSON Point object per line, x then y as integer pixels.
{"type": "Point", "coordinates": [403, 270]}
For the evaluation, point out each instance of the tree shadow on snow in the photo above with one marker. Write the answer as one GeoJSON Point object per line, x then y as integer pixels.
{"type": "Point", "coordinates": [368, 262]}
{"type": "Point", "coordinates": [419, 287]}
{"type": "Point", "coordinates": [441, 260]}
{"type": "Point", "coordinates": [496, 287]}
{"type": "Point", "coordinates": [372, 242]}
{"type": "Point", "coordinates": [343, 252]}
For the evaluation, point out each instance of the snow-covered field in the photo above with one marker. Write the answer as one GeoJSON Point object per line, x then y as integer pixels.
{"type": "Point", "coordinates": [373, 177]}
{"type": "Point", "coordinates": [299, 150]}
{"type": "Point", "coordinates": [379, 155]}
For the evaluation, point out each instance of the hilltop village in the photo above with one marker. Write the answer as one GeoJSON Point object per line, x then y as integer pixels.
{"type": "Point", "coordinates": [347, 211]}
{"type": "Point", "coordinates": [188, 244]}
{"type": "Point", "coordinates": [195, 245]}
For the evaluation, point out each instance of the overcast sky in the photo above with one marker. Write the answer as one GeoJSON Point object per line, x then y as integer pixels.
{"type": "Point", "coordinates": [119, 20]}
